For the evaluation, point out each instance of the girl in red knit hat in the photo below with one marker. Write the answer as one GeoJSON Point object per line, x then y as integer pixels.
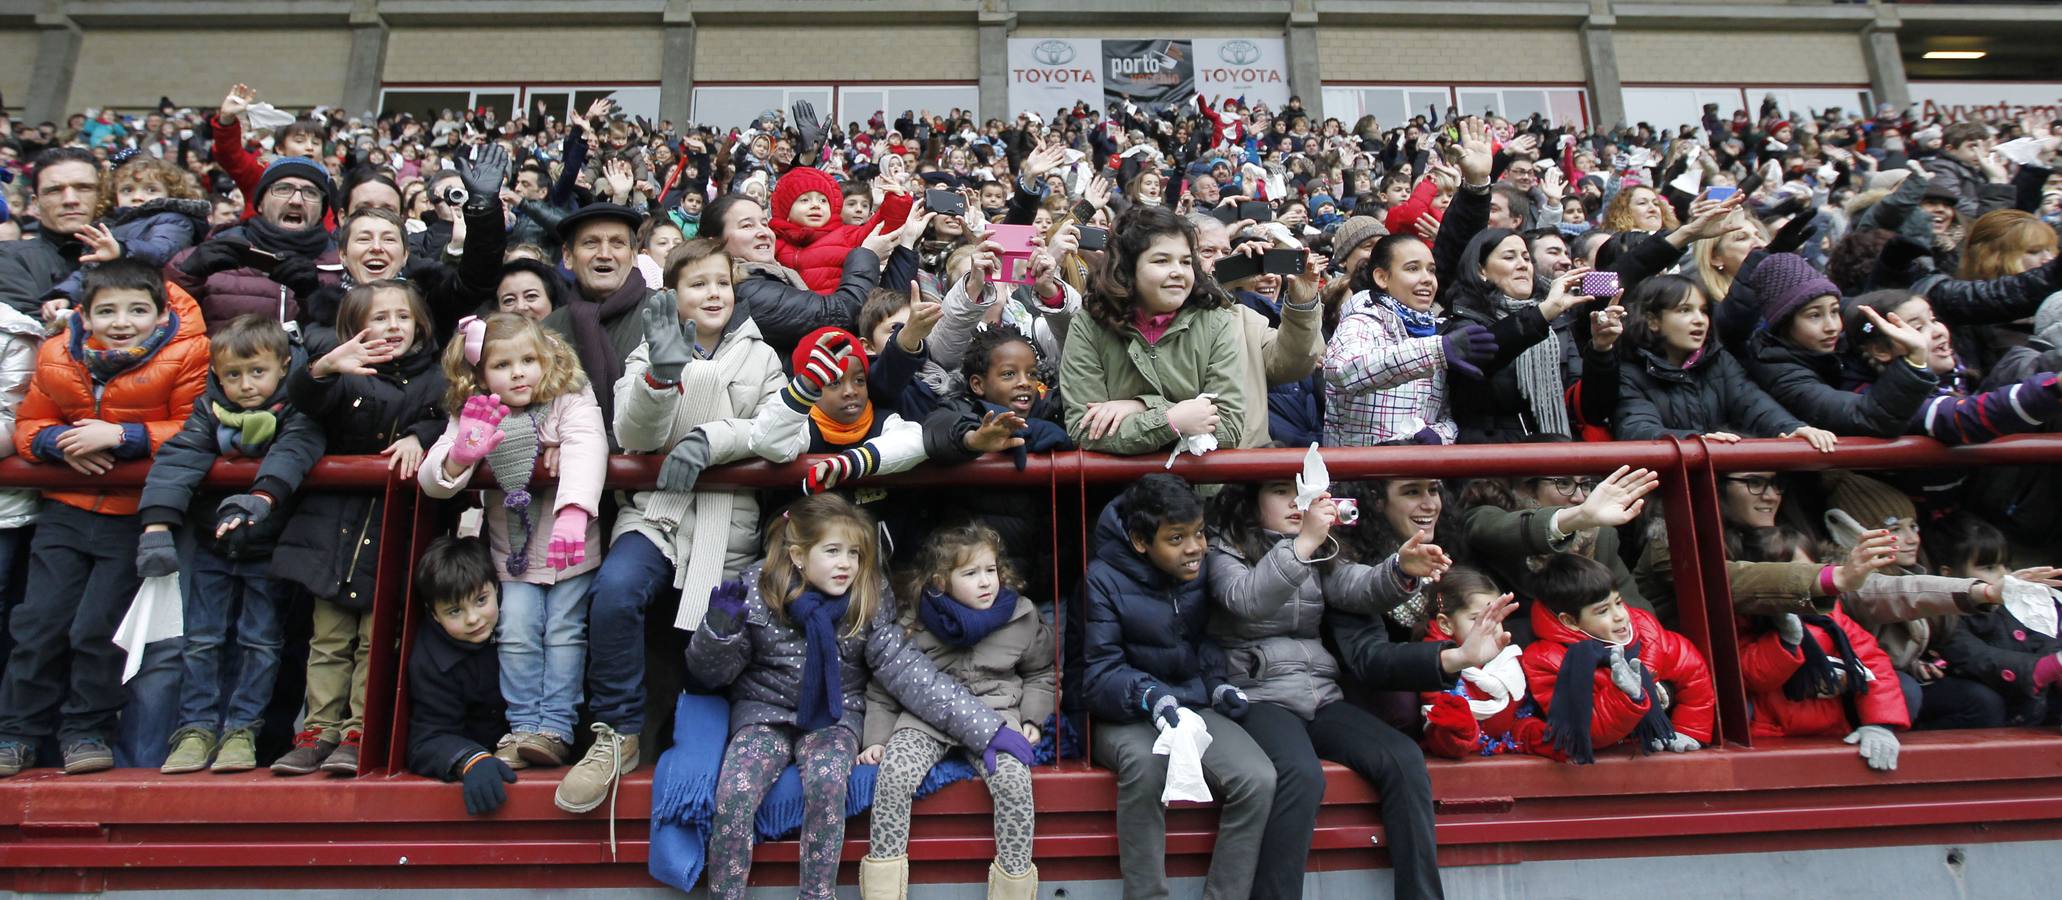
{"type": "Point", "coordinates": [808, 236]}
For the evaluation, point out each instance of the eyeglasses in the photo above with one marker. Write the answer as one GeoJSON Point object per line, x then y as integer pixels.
{"type": "Point", "coordinates": [1568, 486]}
{"type": "Point", "coordinates": [289, 191]}
{"type": "Point", "coordinates": [1757, 485]}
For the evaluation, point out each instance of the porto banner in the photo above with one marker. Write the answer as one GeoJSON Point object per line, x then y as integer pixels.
{"type": "Point", "coordinates": [1050, 74]}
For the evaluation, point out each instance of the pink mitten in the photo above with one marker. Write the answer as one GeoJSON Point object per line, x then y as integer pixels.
{"type": "Point", "coordinates": [568, 539]}
{"type": "Point", "coordinates": [479, 430]}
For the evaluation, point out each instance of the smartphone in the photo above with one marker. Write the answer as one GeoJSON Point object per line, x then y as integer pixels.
{"type": "Point", "coordinates": [1600, 284]}
{"type": "Point", "coordinates": [1235, 267]}
{"type": "Point", "coordinates": [256, 258]}
{"type": "Point", "coordinates": [1285, 262]}
{"type": "Point", "coordinates": [1716, 192]}
{"type": "Point", "coordinates": [1256, 211]}
{"type": "Point", "coordinates": [1093, 238]}
{"type": "Point", "coordinates": [1226, 214]}
{"type": "Point", "coordinates": [946, 203]}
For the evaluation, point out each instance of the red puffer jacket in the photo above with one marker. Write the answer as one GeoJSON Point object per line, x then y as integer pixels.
{"type": "Point", "coordinates": [1766, 663]}
{"type": "Point", "coordinates": [1456, 730]}
{"type": "Point", "coordinates": [1614, 716]}
{"type": "Point", "coordinates": [819, 254]}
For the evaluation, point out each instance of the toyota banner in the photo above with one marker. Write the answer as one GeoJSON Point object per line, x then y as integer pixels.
{"type": "Point", "coordinates": [1050, 74]}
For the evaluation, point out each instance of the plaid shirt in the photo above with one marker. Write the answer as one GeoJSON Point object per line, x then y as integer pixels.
{"type": "Point", "coordinates": [1382, 384]}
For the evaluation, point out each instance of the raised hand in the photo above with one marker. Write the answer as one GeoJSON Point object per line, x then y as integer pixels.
{"type": "Point", "coordinates": [484, 170]}
{"type": "Point", "coordinates": [479, 430]}
{"type": "Point", "coordinates": [1907, 338]}
{"type": "Point", "coordinates": [827, 363]}
{"type": "Point", "coordinates": [240, 98]}
{"type": "Point", "coordinates": [101, 245]}
{"type": "Point", "coordinates": [1468, 348]}
{"type": "Point", "coordinates": [1873, 552]}
{"type": "Point", "coordinates": [726, 613]}
{"type": "Point", "coordinates": [1607, 325]}
{"type": "Point", "coordinates": [668, 343]}
{"type": "Point", "coordinates": [1420, 558]}
{"type": "Point", "coordinates": [356, 356]}
{"type": "Point", "coordinates": [1615, 501]}
{"type": "Point", "coordinates": [1477, 158]}
{"type": "Point", "coordinates": [924, 316]}
{"type": "Point", "coordinates": [619, 176]}
{"type": "Point", "coordinates": [1565, 293]}
{"type": "Point", "coordinates": [1487, 637]}
{"type": "Point", "coordinates": [998, 432]}
{"type": "Point", "coordinates": [1625, 675]}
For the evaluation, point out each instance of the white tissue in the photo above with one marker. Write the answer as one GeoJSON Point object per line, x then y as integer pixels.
{"type": "Point", "coordinates": [265, 115]}
{"type": "Point", "coordinates": [1194, 444]}
{"type": "Point", "coordinates": [1314, 480]}
{"type": "Point", "coordinates": [154, 615]}
{"type": "Point", "coordinates": [2032, 604]}
{"type": "Point", "coordinates": [1184, 746]}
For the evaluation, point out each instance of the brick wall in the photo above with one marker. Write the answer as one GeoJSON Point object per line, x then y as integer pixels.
{"type": "Point", "coordinates": [17, 59]}
{"type": "Point", "coordinates": [1440, 55]}
{"type": "Point", "coordinates": [134, 67]}
{"type": "Point", "coordinates": [833, 53]}
{"type": "Point", "coordinates": [485, 55]}
{"type": "Point", "coordinates": [1703, 57]}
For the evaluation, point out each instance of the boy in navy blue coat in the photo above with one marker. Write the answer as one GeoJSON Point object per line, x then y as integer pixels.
{"type": "Point", "coordinates": [454, 674]}
{"type": "Point", "coordinates": [1148, 664]}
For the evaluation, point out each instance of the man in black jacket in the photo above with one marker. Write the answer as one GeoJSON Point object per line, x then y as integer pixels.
{"type": "Point", "coordinates": [67, 191]}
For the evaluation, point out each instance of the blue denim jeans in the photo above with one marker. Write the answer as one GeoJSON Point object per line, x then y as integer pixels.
{"type": "Point", "coordinates": [633, 573]}
{"type": "Point", "coordinates": [542, 641]}
{"type": "Point", "coordinates": [223, 592]}
{"type": "Point", "coordinates": [144, 737]}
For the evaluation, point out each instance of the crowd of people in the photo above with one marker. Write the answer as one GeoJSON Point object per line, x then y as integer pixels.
{"type": "Point", "coordinates": [530, 296]}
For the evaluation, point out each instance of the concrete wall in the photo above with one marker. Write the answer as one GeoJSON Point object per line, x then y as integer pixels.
{"type": "Point", "coordinates": [17, 58]}
{"type": "Point", "coordinates": [289, 67]}
{"type": "Point", "coordinates": [1441, 55]}
{"type": "Point", "coordinates": [835, 53]}
{"type": "Point", "coordinates": [1771, 57]}
{"type": "Point", "coordinates": [571, 54]}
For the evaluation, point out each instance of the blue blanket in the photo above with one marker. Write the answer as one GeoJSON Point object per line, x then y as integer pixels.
{"type": "Point", "coordinates": [684, 790]}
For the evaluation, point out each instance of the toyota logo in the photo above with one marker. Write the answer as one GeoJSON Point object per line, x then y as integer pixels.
{"type": "Point", "coordinates": [1239, 53]}
{"type": "Point", "coordinates": [1055, 53]}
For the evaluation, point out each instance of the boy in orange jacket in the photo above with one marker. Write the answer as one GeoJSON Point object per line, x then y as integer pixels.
{"type": "Point", "coordinates": [117, 384]}
{"type": "Point", "coordinates": [1605, 672]}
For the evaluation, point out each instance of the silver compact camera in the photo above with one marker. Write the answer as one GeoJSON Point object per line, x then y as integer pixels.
{"type": "Point", "coordinates": [1349, 510]}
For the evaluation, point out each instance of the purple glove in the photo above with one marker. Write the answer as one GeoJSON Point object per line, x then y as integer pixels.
{"type": "Point", "coordinates": [726, 614]}
{"type": "Point", "coordinates": [1007, 740]}
{"type": "Point", "coordinates": [1468, 348]}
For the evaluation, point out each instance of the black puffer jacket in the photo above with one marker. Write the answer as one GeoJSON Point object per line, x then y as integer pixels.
{"type": "Point", "coordinates": [331, 545]}
{"type": "Point", "coordinates": [1656, 400]}
{"type": "Point", "coordinates": [787, 312]}
{"type": "Point", "coordinates": [1142, 628]}
{"type": "Point", "coordinates": [1806, 383]}
{"type": "Point", "coordinates": [176, 473]}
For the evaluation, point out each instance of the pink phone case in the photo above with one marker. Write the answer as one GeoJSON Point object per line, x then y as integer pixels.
{"type": "Point", "coordinates": [1018, 243]}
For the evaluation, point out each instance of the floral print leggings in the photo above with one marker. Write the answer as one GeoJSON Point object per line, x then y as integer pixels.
{"type": "Point", "coordinates": [751, 764]}
{"type": "Point", "coordinates": [911, 754]}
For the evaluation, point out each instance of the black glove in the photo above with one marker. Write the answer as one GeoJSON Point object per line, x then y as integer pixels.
{"type": "Point", "coordinates": [156, 554]}
{"type": "Point", "coordinates": [684, 465]}
{"type": "Point", "coordinates": [483, 786]}
{"type": "Point", "coordinates": [484, 171]}
{"type": "Point", "coordinates": [211, 257]}
{"type": "Point", "coordinates": [1230, 702]}
{"type": "Point", "coordinates": [1161, 706]}
{"type": "Point", "coordinates": [242, 509]}
{"type": "Point", "coordinates": [298, 274]}
{"type": "Point", "coordinates": [1901, 257]}
{"type": "Point", "coordinates": [809, 125]}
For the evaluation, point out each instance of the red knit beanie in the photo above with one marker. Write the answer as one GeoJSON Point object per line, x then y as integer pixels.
{"type": "Point", "coordinates": [802, 180]}
{"type": "Point", "coordinates": [800, 357]}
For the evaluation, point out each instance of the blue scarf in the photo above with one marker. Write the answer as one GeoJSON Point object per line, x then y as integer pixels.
{"type": "Point", "coordinates": [961, 625]}
{"type": "Point", "coordinates": [823, 685]}
{"type": "Point", "coordinates": [1418, 324]}
{"type": "Point", "coordinates": [1569, 717]}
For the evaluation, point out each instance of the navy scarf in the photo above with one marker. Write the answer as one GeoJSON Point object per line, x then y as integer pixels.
{"type": "Point", "coordinates": [1415, 323]}
{"type": "Point", "coordinates": [1821, 675]}
{"type": "Point", "coordinates": [823, 685]}
{"type": "Point", "coordinates": [1568, 719]}
{"type": "Point", "coordinates": [961, 625]}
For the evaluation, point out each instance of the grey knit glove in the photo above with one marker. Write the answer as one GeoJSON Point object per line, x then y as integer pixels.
{"type": "Point", "coordinates": [1879, 746]}
{"type": "Point", "coordinates": [684, 465]}
{"type": "Point", "coordinates": [1676, 743]}
{"type": "Point", "coordinates": [1625, 674]}
{"type": "Point", "coordinates": [1791, 629]}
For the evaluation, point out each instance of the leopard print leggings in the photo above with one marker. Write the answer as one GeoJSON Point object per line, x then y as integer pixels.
{"type": "Point", "coordinates": [910, 756]}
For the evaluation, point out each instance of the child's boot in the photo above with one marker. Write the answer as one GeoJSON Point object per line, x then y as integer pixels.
{"type": "Point", "coordinates": [887, 879]}
{"type": "Point", "coordinates": [239, 753]}
{"type": "Point", "coordinates": [611, 756]}
{"type": "Point", "coordinates": [1004, 886]}
{"type": "Point", "coordinates": [15, 756]}
{"type": "Point", "coordinates": [310, 749]}
{"type": "Point", "coordinates": [87, 754]}
{"type": "Point", "coordinates": [344, 759]}
{"type": "Point", "coordinates": [191, 747]}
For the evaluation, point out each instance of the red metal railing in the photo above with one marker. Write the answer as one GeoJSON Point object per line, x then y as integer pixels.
{"type": "Point", "coordinates": [90, 833]}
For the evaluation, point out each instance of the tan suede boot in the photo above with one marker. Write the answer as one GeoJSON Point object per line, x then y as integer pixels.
{"type": "Point", "coordinates": [884, 879]}
{"type": "Point", "coordinates": [1004, 886]}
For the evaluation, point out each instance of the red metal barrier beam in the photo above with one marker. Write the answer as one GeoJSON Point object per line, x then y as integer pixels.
{"type": "Point", "coordinates": [1784, 455]}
